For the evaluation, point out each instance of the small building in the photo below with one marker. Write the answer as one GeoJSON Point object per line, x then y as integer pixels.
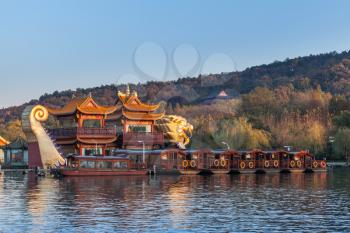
{"type": "Point", "coordinates": [3, 142]}
{"type": "Point", "coordinates": [222, 95]}
{"type": "Point", "coordinates": [16, 154]}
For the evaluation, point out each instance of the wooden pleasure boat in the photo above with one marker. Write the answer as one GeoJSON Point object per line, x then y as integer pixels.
{"type": "Point", "coordinates": [101, 166]}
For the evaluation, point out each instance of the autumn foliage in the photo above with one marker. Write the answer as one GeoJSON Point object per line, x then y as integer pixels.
{"type": "Point", "coordinates": [301, 102]}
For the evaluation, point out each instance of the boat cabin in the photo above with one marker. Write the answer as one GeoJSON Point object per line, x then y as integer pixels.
{"type": "Point", "coordinates": [94, 165]}
{"type": "Point", "coordinates": [83, 127]}
{"type": "Point", "coordinates": [16, 154]}
{"type": "Point", "coordinates": [3, 142]}
{"type": "Point", "coordinates": [233, 158]}
{"type": "Point", "coordinates": [138, 120]}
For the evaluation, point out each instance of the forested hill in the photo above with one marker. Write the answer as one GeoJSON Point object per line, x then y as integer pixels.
{"type": "Point", "coordinates": [330, 71]}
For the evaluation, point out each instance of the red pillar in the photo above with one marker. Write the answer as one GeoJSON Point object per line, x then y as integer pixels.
{"type": "Point", "coordinates": [34, 155]}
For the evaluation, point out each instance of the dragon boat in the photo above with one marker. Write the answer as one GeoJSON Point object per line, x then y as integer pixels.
{"type": "Point", "coordinates": [134, 138]}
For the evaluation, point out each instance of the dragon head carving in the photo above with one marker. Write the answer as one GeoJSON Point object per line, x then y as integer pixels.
{"type": "Point", "coordinates": [176, 130]}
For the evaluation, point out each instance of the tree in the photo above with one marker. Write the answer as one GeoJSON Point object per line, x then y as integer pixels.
{"type": "Point", "coordinates": [12, 130]}
{"type": "Point", "coordinates": [343, 120]}
{"type": "Point", "coordinates": [315, 139]}
{"type": "Point", "coordinates": [342, 145]}
{"type": "Point", "coordinates": [260, 101]}
{"type": "Point", "coordinates": [240, 134]}
{"type": "Point", "coordinates": [338, 104]}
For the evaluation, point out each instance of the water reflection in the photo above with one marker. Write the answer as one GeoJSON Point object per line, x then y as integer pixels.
{"type": "Point", "coordinates": [271, 202]}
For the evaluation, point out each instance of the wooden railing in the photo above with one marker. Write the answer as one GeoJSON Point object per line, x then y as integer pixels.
{"type": "Point", "coordinates": [63, 132]}
{"type": "Point", "coordinates": [74, 132]}
{"type": "Point", "coordinates": [149, 139]}
{"type": "Point", "coordinates": [97, 132]}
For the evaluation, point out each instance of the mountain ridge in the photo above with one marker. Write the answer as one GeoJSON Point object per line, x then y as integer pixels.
{"type": "Point", "coordinates": [330, 71]}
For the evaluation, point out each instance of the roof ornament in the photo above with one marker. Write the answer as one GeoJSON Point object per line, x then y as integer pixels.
{"type": "Point", "coordinates": [90, 95]}
{"type": "Point", "coordinates": [127, 90]}
{"type": "Point", "coordinates": [73, 96]}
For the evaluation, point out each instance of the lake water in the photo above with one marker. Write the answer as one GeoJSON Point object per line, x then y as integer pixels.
{"type": "Point", "coordinates": [220, 203]}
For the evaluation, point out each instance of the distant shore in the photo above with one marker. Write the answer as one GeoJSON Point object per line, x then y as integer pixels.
{"type": "Point", "coordinates": [337, 164]}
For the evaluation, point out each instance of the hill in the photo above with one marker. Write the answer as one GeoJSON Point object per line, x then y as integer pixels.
{"type": "Point", "coordinates": [330, 71]}
{"type": "Point", "coordinates": [300, 102]}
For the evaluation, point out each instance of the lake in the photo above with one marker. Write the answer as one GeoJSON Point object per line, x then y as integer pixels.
{"type": "Point", "coordinates": [217, 203]}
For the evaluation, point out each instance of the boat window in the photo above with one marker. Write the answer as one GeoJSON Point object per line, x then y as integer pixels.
{"type": "Point", "coordinates": [139, 128]}
{"type": "Point", "coordinates": [119, 128]}
{"type": "Point", "coordinates": [17, 156]}
{"type": "Point", "coordinates": [92, 123]}
{"type": "Point", "coordinates": [174, 155]}
{"type": "Point", "coordinates": [92, 151]}
{"type": "Point", "coordinates": [87, 164]}
{"type": "Point", "coordinates": [120, 164]}
{"type": "Point", "coordinates": [67, 122]}
{"type": "Point", "coordinates": [103, 164]}
{"type": "Point", "coordinates": [110, 124]}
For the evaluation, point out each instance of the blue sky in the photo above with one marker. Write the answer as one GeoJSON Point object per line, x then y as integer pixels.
{"type": "Point", "coordinates": [66, 44]}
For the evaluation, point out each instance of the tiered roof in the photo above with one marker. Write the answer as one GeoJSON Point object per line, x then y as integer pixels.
{"type": "Point", "coordinates": [130, 106]}
{"type": "Point", "coordinates": [18, 143]}
{"type": "Point", "coordinates": [135, 109]}
{"type": "Point", "coordinates": [142, 115]}
{"type": "Point", "coordinates": [3, 141]}
{"type": "Point", "coordinates": [84, 105]}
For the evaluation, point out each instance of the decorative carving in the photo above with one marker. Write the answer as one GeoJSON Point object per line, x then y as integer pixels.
{"type": "Point", "coordinates": [31, 122]}
{"type": "Point", "coordinates": [176, 130]}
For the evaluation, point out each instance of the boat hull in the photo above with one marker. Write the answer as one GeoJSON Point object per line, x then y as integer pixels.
{"type": "Point", "coordinates": [272, 170]}
{"type": "Point", "coordinates": [248, 171]}
{"type": "Point", "coordinates": [297, 170]}
{"type": "Point", "coordinates": [189, 172]}
{"type": "Point", "coordinates": [319, 169]}
{"type": "Point", "coordinates": [102, 173]}
{"type": "Point", "coordinates": [220, 171]}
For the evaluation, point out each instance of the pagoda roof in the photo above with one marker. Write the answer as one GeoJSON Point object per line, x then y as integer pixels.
{"type": "Point", "coordinates": [97, 140]}
{"type": "Point", "coordinates": [18, 143]}
{"type": "Point", "coordinates": [222, 94]}
{"type": "Point", "coordinates": [142, 115]}
{"type": "Point", "coordinates": [114, 116]}
{"type": "Point", "coordinates": [84, 105]}
{"type": "Point", "coordinates": [3, 141]}
{"type": "Point", "coordinates": [133, 103]}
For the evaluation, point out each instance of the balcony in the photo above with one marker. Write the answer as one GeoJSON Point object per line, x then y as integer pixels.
{"type": "Point", "coordinates": [135, 139]}
{"type": "Point", "coordinates": [59, 133]}
{"type": "Point", "coordinates": [63, 133]}
{"type": "Point", "coordinates": [97, 132]}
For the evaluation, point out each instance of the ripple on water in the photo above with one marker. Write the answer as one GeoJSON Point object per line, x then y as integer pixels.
{"type": "Point", "coordinates": [276, 202]}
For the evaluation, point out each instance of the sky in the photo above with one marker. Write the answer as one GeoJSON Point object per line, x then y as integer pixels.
{"type": "Point", "coordinates": [67, 44]}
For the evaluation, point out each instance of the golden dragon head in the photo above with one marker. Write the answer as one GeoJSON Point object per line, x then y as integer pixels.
{"type": "Point", "coordinates": [176, 130]}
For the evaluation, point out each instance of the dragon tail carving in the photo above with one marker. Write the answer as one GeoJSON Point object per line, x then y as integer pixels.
{"type": "Point", "coordinates": [32, 118]}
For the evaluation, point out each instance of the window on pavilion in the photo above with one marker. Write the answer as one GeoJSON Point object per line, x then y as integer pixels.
{"type": "Point", "coordinates": [92, 123]}
{"type": "Point", "coordinates": [92, 151]}
{"type": "Point", "coordinates": [139, 128]}
{"type": "Point", "coordinates": [67, 122]}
